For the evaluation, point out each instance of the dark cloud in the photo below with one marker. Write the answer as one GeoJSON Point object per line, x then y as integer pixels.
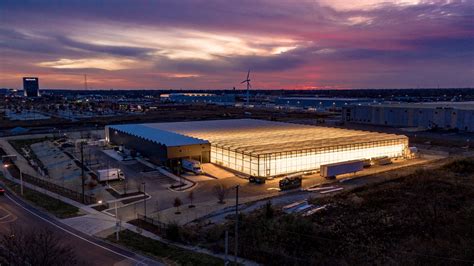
{"type": "Point", "coordinates": [60, 46]}
{"type": "Point", "coordinates": [106, 49]}
{"type": "Point", "coordinates": [14, 40]}
{"type": "Point", "coordinates": [445, 46]}
{"type": "Point", "coordinates": [221, 64]}
{"type": "Point", "coordinates": [435, 36]}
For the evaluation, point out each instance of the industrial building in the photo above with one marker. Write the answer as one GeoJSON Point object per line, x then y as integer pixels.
{"type": "Point", "coordinates": [319, 103]}
{"type": "Point", "coordinates": [257, 147]}
{"type": "Point", "coordinates": [433, 115]}
{"type": "Point", "coordinates": [223, 99]}
{"type": "Point", "coordinates": [31, 87]}
{"type": "Point", "coordinates": [159, 146]}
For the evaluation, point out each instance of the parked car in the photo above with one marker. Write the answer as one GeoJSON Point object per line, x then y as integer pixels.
{"type": "Point", "coordinates": [257, 179]}
{"type": "Point", "coordinates": [290, 182]}
{"type": "Point", "coordinates": [2, 190]}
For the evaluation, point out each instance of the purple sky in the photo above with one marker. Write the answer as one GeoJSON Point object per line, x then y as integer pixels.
{"type": "Point", "coordinates": [198, 44]}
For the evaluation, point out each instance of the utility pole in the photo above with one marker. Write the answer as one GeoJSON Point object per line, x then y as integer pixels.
{"type": "Point", "coordinates": [236, 223]}
{"type": "Point", "coordinates": [21, 181]}
{"type": "Point", "coordinates": [117, 229]}
{"type": "Point", "coordinates": [82, 172]}
{"type": "Point", "coordinates": [144, 201]}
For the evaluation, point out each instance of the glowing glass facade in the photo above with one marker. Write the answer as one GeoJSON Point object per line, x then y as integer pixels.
{"type": "Point", "coordinates": [273, 164]}
{"type": "Point", "coordinates": [266, 148]}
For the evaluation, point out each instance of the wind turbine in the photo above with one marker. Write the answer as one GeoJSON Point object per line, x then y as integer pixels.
{"type": "Point", "coordinates": [248, 86]}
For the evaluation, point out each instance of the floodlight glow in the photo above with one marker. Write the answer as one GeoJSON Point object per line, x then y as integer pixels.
{"type": "Point", "coordinates": [267, 148]}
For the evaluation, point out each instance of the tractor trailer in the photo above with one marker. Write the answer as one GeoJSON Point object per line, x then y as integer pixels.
{"type": "Point", "coordinates": [110, 174]}
{"type": "Point", "coordinates": [332, 170]}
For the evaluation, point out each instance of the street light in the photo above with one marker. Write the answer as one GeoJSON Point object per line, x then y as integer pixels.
{"type": "Point", "coordinates": [117, 224]}
{"type": "Point", "coordinates": [21, 177]}
{"type": "Point", "coordinates": [21, 181]}
{"type": "Point", "coordinates": [82, 173]}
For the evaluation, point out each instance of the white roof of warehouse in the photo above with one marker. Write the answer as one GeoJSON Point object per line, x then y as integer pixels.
{"type": "Point", "coordinates": [256, 137]}
{"type": "Point", "coordinates": [150, 133]}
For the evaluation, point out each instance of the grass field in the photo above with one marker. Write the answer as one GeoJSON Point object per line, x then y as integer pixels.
{"type": "Point", "coordinates": [54, 206]}
{"type": "Point", "coordinates": [168, 254]}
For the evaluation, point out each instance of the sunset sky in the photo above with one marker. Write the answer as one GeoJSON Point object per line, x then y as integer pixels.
{"type": "Point", "coordinates": [287, 44]}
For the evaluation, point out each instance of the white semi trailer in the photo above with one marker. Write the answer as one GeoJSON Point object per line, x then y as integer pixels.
{"type": "Point", "coordinates": [110, 174]}
{"type": "Point", "coordinates": [192, 166]}
{"type": "Point", "coordinates": [332, 170]}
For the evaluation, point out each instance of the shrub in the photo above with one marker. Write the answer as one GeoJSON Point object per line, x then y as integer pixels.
{"type": "Point", "coordinates": [220, 191]}
{"type": "Point", "coordinates": [173, 231]}
{"type": "Point", "coordinates": [461, 166]}
{"type": "Point", "coordinates": [269, 211]}
{"type": "Point", "coordinates": [177, 203]}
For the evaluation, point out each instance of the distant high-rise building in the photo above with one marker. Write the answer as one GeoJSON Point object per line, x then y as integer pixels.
{"type": "Point", "coordinates": [31, 86]}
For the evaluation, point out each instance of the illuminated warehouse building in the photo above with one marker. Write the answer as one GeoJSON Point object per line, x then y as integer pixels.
{"type": "Point", "coordinates": [263, 148]}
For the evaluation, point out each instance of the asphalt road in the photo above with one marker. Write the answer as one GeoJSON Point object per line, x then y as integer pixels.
{"type": "Point", "coordinates": [89, 251]}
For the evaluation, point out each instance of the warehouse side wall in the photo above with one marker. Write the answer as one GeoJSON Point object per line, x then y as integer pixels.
{"type": "Point", "coordinates": [447, 118]}
{"type": "Point", "coordinates": [157, 153]}
{"type": "Point", "coordinates": [198, 152]}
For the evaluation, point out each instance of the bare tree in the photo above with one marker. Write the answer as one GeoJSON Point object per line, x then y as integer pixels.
{"type": "Point", "coordinates": [220, 191]}
{"type": "Point", "coordinates": [125, 186]}
{"type": "Point", "coordinates": [34, 247]}
{"type": "Point", "coordinates": [177, 202]}
{"type": "Point", "coordinates": [157, 210]}
{"type": "Point", "coordinates": [138, 186]}
{"type": "Point", "coordinates": [191, 199]}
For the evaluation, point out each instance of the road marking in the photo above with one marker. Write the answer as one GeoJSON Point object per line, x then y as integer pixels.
{"type": "Point", "coordinates": [9, 215]}
{"type": "Point", "coordinates": [273, 188]}
{"type": "Point", "coordinates": [80, 237]}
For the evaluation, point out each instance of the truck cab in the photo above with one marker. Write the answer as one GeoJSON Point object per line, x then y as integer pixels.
{"type": "Point", "coordinates": [192, 166]}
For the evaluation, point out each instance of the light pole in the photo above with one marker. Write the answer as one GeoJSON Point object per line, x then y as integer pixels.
{"type": "Point", "coordinates": [82, 172]}
{"type": "Point", "coordinates": [21, 177]}
{"type": "Point", "coordinates": [236, 223]}
{"type": "Point", "coordinates": [144, 193]}
{"type": "Point", "coordinates": [21, 181]}
{"type": "Point", "coordinates": [117, 229]}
